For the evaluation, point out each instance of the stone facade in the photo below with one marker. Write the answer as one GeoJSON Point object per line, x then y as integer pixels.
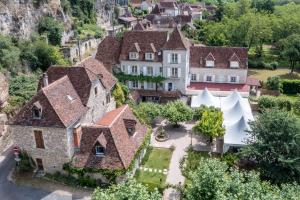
{"type": "Point", "coordinates": [56, 151]}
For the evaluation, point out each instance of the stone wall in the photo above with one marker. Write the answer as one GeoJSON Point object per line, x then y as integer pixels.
{"type": "Point", "coordinates": [55, 153]}
{"type": "Point", "coordinates": [3, 90]}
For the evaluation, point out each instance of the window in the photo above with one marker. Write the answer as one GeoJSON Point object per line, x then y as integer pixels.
{"type": "Point", "coordinates": [150, 85]}
{"type": "Point", "coordinates": [150, 71]}
{"type": "Point", "coordinates": [99, 150]}
{"type": "Point", "coordinates": [174, 72]}
{"type": "Point", "coordinates": [174, 58]}
{"type": "Point", "coordinates": [96, 90]}
{"type": "Point", "coordinates": [123, 68]}
{"type": "Point", "coordinates": [108, 97]}
{"type": "Point", "coordinates": [36, 112]}
{"type": "Point", "coordinates": [135, 84]}
{"type": "Point", "coordinates": [209, 78]}
{"type": "Point", "coordinates": [161, 71]}
{"type": "Point", "coordinates": [133, 56]}
{"type": "Point", "coordinates": [234, 64]}
{"type": "Point", "coordinates": [149, 56]}
{"type": "Point", "coordinates": [194, 77]}
{"type": "Point", "coordinates": [39, 140]}
{"type": "Point", "coordinates": [76, 137]}
{"type": "Point", "coordinates": [210, 63]}
{"type": "Point", "coordinates": [233, 79]}
{"type": "Point", "coordinates": [134, 69]}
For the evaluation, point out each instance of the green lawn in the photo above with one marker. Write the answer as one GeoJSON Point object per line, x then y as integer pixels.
{"type": "Point", "coordinates": [155, 158]}
{"type": "Point", "coordinates": [293, 98]}
{"type": "Point", "coordinates": [263, 74]}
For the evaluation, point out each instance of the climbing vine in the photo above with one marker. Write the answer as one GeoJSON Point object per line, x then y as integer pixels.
{"type": "Point", "coordinates": [128, 77]}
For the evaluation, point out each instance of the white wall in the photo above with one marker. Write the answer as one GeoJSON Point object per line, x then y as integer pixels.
{"type": "Point", "coordinates": [221, 75]}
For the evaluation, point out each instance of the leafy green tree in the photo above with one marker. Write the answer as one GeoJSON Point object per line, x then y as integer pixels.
{"type": "Point", "coordinates": [176, 112]}
{"type": "Point", "coordinates": [220, 10]}
{"type": "Point", "coordinates": [291, 50]}
{"type": "Point", "coordinates": [129, 190]}
{"type": "Point", "coordinates": [212, 180]}
{"type": "Point", "coordinates": [275, 144]}
{"type": "Point", "coordinates": [296, 106]}
{"type": "Point", "coordinates": [148, 111]}
{"type": "Point", "coordinates": [52, 28]}
{"type": "Point", "coordinates": [263, 5]}
{"type": "Point", "coordinates": [118, 95]}
{"type": "Point", "coordinates": [215, 34]}
{"type": "Point", "coordinates": [210, 124]}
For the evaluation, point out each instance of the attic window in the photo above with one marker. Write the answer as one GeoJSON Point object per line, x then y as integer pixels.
{"type": "Point", "coordinates": [133, 55]}
{"type": "Point", "coordinates": [149, 56]}
{"type": "Point", "coordinates": [37, 111]}
{"type": "Point", "coordinates": [70, 98]}
{"type": "Point", "coordinates": [210, 63]}
{"type": "Point", "coordinates": [130, 126]}
{"type": "Point", "coordinates": [99, 150]}
{"type": "Point", "coordinates": [234, 64]}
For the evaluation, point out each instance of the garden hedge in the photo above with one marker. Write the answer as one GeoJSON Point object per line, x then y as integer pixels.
{"type": "Point", "coordinates": [290, 86]}
{"type": "Point", "coordinates": [268, 102]}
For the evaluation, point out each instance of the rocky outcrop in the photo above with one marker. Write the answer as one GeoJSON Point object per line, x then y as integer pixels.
{"type": "Point", "coordinates": [3, 90]}
{"type": "Point", "coordinates": [20, 17]}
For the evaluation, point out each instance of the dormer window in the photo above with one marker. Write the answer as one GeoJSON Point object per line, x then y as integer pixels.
{"type": "Point", "coordinates": [133, 55]}
{"type": "Point", "coordinates": [37, 111]}
{"type": "Point", "coordinates": [210, 63]}
{"type": "Point", "coordinates": [130, 126]}
{"type": "Point", "coordinates": [99, 150]}
{"type": "Point", "coordinates": [149, 56]}
{"type": "Point", "coordinates": [234, 64]}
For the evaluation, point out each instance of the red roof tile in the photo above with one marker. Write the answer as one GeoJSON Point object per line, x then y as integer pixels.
{"type": "Point", "coordinates": [60, 103]}
{"type": "Point", "coordinates": [221, 55]}
{"type": "Point", "coordinates": [120, 146]}
{"type": "Point", "coordinates": [176, 41]}
{"type": "Point", "coordinates": [109, 51]}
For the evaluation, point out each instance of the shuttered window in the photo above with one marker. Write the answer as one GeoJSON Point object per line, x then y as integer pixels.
{"type": "Point", "coordinates": [39, 140]}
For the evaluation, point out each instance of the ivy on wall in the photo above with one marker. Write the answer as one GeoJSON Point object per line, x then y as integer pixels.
{"type": "Point", "coordinates": [128, 77]}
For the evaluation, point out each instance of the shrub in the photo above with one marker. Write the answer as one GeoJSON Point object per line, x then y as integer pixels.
{"type": "Point", "coordinates": [230, 158]}
{"type": "Point", "coordinates": [274, 65]}
{"type": "Point", "coordinates": [268, 102]}
{"type": "Point", "coordinates": [296, 106]}
{"type": "Point", "coordinates": [26, 163]}
{"type": "Point", "coordinates": [53, 29]}
{"type": "Point", "coordinates": [273, 83]}
{"type": "Point", "coordinates": [268, 66]}
{"type": "Point", "coordinates": [290, 86]}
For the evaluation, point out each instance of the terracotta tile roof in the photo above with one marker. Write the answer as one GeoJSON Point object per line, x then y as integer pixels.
{"type": "Point", "coordinates": [109, 51]}
{"type": "Point", "coordinates": [61, 106]}
{"type": "Point", "coordinates": [80, 78]}
{"type": "Point", "coordinates": [183, 19]}
{"type": "Point", "coordinates": [222, 56]}
{"type": "Point", "coordinates": [97, 68]}
{"type": "Point", "coordinates": [176, 41]}
{"type": "Point", "coordinates": [219, 87]}
{"type": "Point", "coordinates": [144, 40]}
{"type": "Point", "coordinates": [139, 26]}
{"type": "Point", "coordinates": [120, 146]}
{"type": "Point", "coordinates": [169, 4]}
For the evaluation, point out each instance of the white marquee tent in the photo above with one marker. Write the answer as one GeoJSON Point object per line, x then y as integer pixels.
{"type": "Point", "coordinates": [236, 112]}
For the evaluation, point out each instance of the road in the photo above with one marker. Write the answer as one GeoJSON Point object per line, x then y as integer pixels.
{"type": "Point", "coordinates": [11, 191]}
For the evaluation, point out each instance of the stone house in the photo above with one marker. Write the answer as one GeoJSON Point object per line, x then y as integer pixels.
{"type": "Point", "coordinates": [47, 127]}
{"type": "Point", "coordinates": [187, 68]}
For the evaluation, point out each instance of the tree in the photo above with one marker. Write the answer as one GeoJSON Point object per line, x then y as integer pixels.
{"type": "Point", "coordinates": [275, 145]}
{"type": "Point", "coordinates": [52, 28]}
{"type": "Point", "coordinates": [129, 190]}
{"type": "Point", "coordinates": [291, 50]}
{"type": "Point", "coordinates": [176, 112]}
{"type": "Point", "coordinates": [263, 5]}
{"type": "Point", "coordinates": [220, 10]}
{"type": "Point", "coordinates": [119, 95]}
{"type": "Point", "coordinates": [274, 83]}
{"type": "Point", "coordinates": [210, 124]}
{"type": "Point", "coordinates": [148, 111]}
{"type": "Point", "coordinates": [213, 180]}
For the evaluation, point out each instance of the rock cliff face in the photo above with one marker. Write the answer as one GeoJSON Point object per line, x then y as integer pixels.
{"type": "Point", "coordinates": [20, 17]}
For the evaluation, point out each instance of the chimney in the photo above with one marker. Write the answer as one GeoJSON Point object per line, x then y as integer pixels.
{"type": "Point", "coordinates": [45, 80]}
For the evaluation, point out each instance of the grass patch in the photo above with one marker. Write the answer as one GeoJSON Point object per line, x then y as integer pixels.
{"type": "Point", "coordinates": [292, 98]}
{"type": "Point", "coordinates": [155, 158]}
{"type": "Point", "coordinates": [263, 74]}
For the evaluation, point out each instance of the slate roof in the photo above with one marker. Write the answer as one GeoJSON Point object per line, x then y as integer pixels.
{"type": "Point", "coordinates": [60, 103]}
{"type": "Point", "coordinates": [109, 51]}
{"type": "Point", "coordinates": [110, 131]}
{"type": "Point", "coordinates": [139, 26]}
{"type": "Point", "coordinates": [97, 68]}
{"type": "Point", "coordinates": [221, 55]}
{"type": "Point", "coordinates": [144, 40]}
